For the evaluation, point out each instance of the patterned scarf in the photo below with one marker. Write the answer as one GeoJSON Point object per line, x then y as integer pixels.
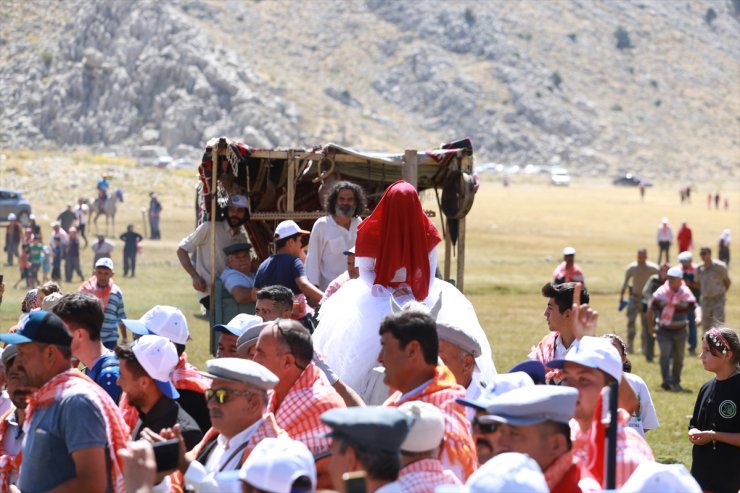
{"type": "Point", "coordinates": [73, 381]}
{"type": "Point", "coordinates": [186, 377]}
{"type": "Point", "coordinates": [9, 465]}
{"type": "Point", "coordinates": [544, 352]}
{"type": "Point", "coordinates": [671, 298]}
{"type": "Point", "coordinates": [91, 286]}
{"type": "Point", "coordinates": [557, 470]}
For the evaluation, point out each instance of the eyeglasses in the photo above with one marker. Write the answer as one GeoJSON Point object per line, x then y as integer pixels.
{"type": "Point", "coordinates": [485, 428]}
{"type": "Point", "coordinates": [222, 395]}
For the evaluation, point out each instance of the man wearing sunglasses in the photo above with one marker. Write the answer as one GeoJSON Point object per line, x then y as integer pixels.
{"type": "Point", "coordinates": [534, 421]}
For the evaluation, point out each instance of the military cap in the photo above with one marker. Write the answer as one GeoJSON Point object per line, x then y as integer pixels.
{"type": "Point", "coordinates": [459, 338]}
{"type": "Point", "coordinates": [237, 247]}
{"type": "Point", "coordinates": [240, 370]}
{"type": "Point", "coordinates": [249, 337]}
{"type": "Point", "coordinates": [375, 428]}
{"type": "Point", "coordinates": [531, 405]}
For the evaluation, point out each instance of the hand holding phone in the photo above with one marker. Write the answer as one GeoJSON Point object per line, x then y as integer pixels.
{"type": "Point", "coordinates": [166, 455]}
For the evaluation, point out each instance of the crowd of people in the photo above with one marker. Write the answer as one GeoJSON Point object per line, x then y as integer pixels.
{"type": "Point", "coordinates": [358, 370]}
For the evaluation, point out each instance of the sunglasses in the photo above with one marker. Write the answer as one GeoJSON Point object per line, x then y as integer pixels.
{"type": "Point", "coordinates": [485, 428]}
{"type": "Point", "coordinates": [222, 395]}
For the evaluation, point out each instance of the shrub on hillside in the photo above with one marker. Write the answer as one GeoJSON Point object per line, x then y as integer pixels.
{"type": "Point", "coordinates": [623, 39]}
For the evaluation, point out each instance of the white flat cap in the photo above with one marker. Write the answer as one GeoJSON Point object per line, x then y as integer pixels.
{"type": "Point", "coordinates": [241, 370]}
{"type": "Point", "coordinates": [458, 338]}
{"type": "Point", "coordinates": [428, 429]}
{"type": "Point", "coordinates": [249, 337]}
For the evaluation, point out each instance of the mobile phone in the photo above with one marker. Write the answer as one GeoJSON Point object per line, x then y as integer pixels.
{"type": "Point", "coordinates": [166, 455]}
{"type": "Point", "coordinates": [354, 482]}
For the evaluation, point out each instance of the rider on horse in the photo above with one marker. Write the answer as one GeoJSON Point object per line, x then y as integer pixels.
{"type": "Point", "coordinates": [103, 185]}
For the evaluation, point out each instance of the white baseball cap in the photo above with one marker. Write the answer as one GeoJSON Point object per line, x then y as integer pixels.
{"type": "Point", "coordinates": [569, 251]}
{"type": "Point", "coordinates": [507, 472]}
{"type": "Point", "coordinates": [667, 478]}
{"type": "Point", "coordinates": [239, 324]}
{"type": "Point", "coordinates": [685, 256]}
{"type": "Point", "coordinates": [593, 352]}
{"type": "Point", "coordinates": [499, 385]}
{"type": "Point", "coordinates": [106, 262]}
{"type": "Point", "coordinates": [676, 271]}
{"type": "Point", "coordinates": [288, 228]}
{"type": "Point", "coordinates": [11, 217]}
{"type": "Point", "coordinates": [158, 356]}
{"type": "Point", "coordinates": [428, 429]}
{"type": "Point", "coordinates": [161, 320]}
{"type": "Point", "coordinates": [275, 463]}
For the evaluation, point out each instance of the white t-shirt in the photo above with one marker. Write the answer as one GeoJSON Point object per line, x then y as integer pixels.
{"type": "Point", "coordinates": [82, 212]}
{"type": "Point", "coordinates": [645, 418]}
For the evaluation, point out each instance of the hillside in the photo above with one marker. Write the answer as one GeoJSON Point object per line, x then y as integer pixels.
{"type": "Point", "coordinates": [528, 81]}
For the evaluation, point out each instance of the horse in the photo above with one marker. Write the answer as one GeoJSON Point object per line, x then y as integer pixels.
{"type": "Point", "coordinates": [108, 209]}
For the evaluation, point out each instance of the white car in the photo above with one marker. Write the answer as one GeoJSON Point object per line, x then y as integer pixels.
{"type": "Point", "coordinates": [559, 177]}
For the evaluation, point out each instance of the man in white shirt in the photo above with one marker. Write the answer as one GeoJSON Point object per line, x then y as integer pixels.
{"type": "Point", "coordinates": [82, 211]}
{"type": "Point", "coordinates": [334, 234]}
{"type": "Point", "coordinates": [228, 232]}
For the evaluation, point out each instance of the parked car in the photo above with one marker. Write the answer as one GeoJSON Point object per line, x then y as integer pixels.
{"type": "Point", "coordinates": [155, 156]}
{"type": "Point", "coordinates": [630, 180]}
{"type": "Point", "coordinates": [559, 177]}
{"type": "Point", "coordinates": [13, 201]}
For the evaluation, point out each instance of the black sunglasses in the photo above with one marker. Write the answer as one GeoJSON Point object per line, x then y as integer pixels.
{"type": "Point", "coordinates": [485, 428]}
{"type": "Point", "coordinates": [222, 395]}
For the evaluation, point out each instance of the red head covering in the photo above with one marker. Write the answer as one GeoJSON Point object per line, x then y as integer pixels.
{"type": "Point", "coordinates": [398, 234]}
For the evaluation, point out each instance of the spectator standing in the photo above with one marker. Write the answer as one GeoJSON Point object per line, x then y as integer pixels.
{"type": "Point", "coordinates": [131, 241]}
{"type": "Point", "coordinates": [714, 429]}
{"type": "Point", "coordinates": [11, 422]}
{"type": "Point", "coordinates": [568, 270]}
{"type": "Point", "coordinates": [155, 209]}
{"type": "Point", "coordinates": [103, 248]}
{"type": "Point", "coordinates": [74, 430]}
{"type": "Point", "coordinates": [653, 283]}
{"type": "Point", "coordinates": [13, 238]}
{"type": "Point", "coordinates": [56, 260]}
{"type": "Point", "coordinates": [716, 200]}
{"type": "Point", "coordinates": [33, 228]}
{"type": "Point", "coordinates": [685, 238]}
{"type": "Point", "coordinates": [35, 257]}
{"type": "Point", "coordinates": [689, 278]}
{"type": "Point", "coordinates": [714, 281]}
{"type": "Point", "coordinates": [67, 218]}
{"type": "Point", "coordinates": [638, 273]}
{"type": "Point", "coordinates": [665, 239]}
{"type": "Point", "coordinates": [723, 252]}
{"type": "Point", "coordinates": [101, 285]}
{"type": "Point", "coordinates": [82, 211]}
{"type": "Point", "coordinates": [72, 256]}
{"type": "Point", "coordinates": [334, 234]}
{"type": "Point", "coordinates": [672, 301]}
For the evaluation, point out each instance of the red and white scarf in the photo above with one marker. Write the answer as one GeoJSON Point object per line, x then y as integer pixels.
{"type": "Point", "coordinates": [670, 299]}
{"type": "Point", "coordinates": [73, 381]}
{"type": "Point", "coordinates": [9, 465]}
{"type": "Point", "coordinates": [102, 293]}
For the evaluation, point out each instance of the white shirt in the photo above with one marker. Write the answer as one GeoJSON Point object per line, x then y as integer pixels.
{"type": "Point", "coordinates": [223, 458]}
{"type": "Point", "coordinates": [233, 278]}
{"type": "Point", "coordinates": [82, 211]}
{"type": "Point", "coordinates": [393, 487]}
{"type": "Point", "coordinates": [473, 393]}
{"type": "Point", "coordinates": [326, 246]}
{"type": "Point", "coordinates": [200, 240]}
{"type": "Point", "coordinates": [645, 418]}
{"type": "Point", "coordinates": [5, 402]}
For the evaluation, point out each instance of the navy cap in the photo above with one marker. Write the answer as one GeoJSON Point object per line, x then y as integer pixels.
{"type": "Point", "coordinates": [373, 427]}
{"type": "Point", "coordinates": [40, 326]}
{"type": "Point", "coordinates": [531, 405]}
{"type": "Point", "coordinates": [533, 368]}
{"type": "Point", "coordinates": [237, 247]}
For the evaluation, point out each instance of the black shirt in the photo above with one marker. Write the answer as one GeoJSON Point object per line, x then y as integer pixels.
{"type": "Point", "coordinates": [165, 414]}
{"type": "Point", "coordinates": [716, 466]}
{"type": "Point", "coordinates": [194, 403]}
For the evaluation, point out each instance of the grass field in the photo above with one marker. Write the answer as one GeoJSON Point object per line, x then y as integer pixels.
{"type": "Point", "coordinates": [514, 239]}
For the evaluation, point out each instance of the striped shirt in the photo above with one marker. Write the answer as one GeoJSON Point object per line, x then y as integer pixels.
{"type": "Point", "coordinates": [113, 313]}
{"type": "Point", "coordinates": [423, 476]}
{"type": "Point", "coordinates": [458, 450]}
{"type": "Point", "coordinates": [300, 411]}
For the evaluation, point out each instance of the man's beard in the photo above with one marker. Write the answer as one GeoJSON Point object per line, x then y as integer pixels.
{"type": "Point", "coordinates": [345, 210]}
{"type": "Point", "coordinates": [234, 222]}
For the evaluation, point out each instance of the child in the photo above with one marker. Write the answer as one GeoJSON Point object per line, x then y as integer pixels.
{"type": "Point", "coordinates": [644, 418]}
{"type": "Point", "coordinates": [714, 429]}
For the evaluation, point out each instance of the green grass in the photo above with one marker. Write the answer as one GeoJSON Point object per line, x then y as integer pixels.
{"type": "Point", "coordinates": [514, 239]}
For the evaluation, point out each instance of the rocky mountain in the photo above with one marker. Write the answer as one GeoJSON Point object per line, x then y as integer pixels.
{"type": "Point", "coordinates": [644, 85]}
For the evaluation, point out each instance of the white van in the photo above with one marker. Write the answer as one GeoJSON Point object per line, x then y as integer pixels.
{"type": "Point", "coordinates": [559, 177]}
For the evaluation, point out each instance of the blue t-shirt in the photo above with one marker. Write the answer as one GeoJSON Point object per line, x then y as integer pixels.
{"type": "Point", "coordinates": [105, 372]}
{"type": "Point", "coordinates": [72, 424]}
{"type": "Point", "coordinates": [281, 269]}
{"type": "Point", "coordinates": [233, 278]}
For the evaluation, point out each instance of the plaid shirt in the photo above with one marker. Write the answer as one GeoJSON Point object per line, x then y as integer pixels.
{"type": "Point", "coordinates": [458, 451]}
{"type": "Point", "coordinates": [632, 449]}
{"type": "Point", "coordinates": [299, 412]}
{"type": "Point", "coordinates": [423, 476]}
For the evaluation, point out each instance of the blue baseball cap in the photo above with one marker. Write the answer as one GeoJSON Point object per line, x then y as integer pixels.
{"type": "Point", "coordinates": [40, 326]}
